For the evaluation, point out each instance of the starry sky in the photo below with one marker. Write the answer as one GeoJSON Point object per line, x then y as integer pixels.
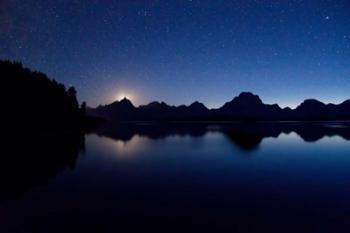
{"type": "Point", "coordinates": [179, 51]}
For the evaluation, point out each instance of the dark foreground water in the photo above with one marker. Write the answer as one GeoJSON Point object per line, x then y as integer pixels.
{"type": "Point", "coordinates": [243, 178]}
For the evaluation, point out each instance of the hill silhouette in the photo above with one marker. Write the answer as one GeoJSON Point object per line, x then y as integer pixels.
{"type": "Point", "coordinates": [244, 107]}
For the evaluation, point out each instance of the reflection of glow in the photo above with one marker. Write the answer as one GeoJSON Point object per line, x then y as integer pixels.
{"type": "Point", "coordinates": [120, 149]}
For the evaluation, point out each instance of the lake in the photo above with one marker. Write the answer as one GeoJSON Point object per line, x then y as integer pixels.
{"type": "Point", "coordinates": [266, 177]}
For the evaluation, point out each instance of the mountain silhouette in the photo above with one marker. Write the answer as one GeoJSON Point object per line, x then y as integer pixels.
{"type": "Point", "coordinates": [154, 110]}
{"type": "Point", "coordinates": [124, 110]}
{"type": "Point", "coordinates": [311, 108]}
{"type": "Point", "coordinates": [248, 106]}
{"type": "Point", "coordinates": [118, 110]}
{"type": "Point", "coordinates": [244, 107]}
{"type": "Point", "coordinates": [196, 108]}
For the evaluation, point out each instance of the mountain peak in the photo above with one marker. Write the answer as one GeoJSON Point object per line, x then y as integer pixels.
{"type": "Point", "coordinates": [125, 101]}
{"type": "Point", "coordinates": [153, 103]}
{"type": "Point", "coordinates": [198, 105]}
{"type": "Point", "coordinates": [311, 102]}
{"type": "Point", "coordinates": [247, 98]}
{"type": "Point", "coordinates": [156, 106]}
{"type": "Point", "coordinates": [346, 102]}
{"type": "Point", "coordinates": [247, 94]}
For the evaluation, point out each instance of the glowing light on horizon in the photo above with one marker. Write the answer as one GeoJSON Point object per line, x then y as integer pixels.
{"type": "Point", "coordinates": [123, 95]}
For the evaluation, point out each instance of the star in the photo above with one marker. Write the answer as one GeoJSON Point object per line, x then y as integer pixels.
{"type": "Point", "coordinates": [222, 43]}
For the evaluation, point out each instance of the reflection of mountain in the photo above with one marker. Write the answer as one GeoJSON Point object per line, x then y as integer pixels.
{"type": "Point", "coordinates": [243, 140]}
{"type": "Point", "coordinates": [245, 136]}
{"type": "Point", "coordinates": [246, 107]}
{"type": "Point", "coordinates": [126, 131]}
{"type": "Point", "coordinates": [32, 159]}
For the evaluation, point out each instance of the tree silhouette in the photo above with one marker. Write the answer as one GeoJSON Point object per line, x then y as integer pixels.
{"type": "Point", "coordinates": [31, 99]}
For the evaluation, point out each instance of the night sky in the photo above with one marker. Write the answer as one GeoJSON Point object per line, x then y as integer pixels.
{"type": "Point", "coordinates": [180, 51]}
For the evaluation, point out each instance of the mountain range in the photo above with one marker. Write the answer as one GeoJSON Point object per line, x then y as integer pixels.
{"type": "Point", "coordinates": [244, 107]}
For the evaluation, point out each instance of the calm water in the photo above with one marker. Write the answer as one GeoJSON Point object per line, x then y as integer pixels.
{"type": "Point", "coordinates": [247, 179]}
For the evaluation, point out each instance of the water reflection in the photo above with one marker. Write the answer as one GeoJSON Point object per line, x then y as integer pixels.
{"type": "Point", "coordinates": [123, 149]}
{"type": "Point", "coordinates": [246, 137]}
{"type": "Point", "coordinates": [33, 160]}
{"type": "Point", "coordinates": [187, 177]}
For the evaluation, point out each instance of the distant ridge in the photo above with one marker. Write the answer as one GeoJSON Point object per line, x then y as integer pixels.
{"type": "Point", "coordinates": [244, 107]}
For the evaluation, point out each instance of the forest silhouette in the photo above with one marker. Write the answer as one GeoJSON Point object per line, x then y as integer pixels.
{"type": "Point", "coordinates": [29, 99]}
{"type": "Point", "coordinates": [43, 128]}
